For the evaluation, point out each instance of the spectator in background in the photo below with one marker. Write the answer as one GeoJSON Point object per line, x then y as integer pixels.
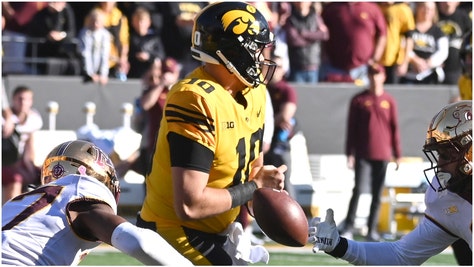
{"type": "Point", "coordinates": [153, 7]}
{"type": "Point", "coordinates": [467, 7]}
{"type": "Point", "coordinates": [17, 17]}
{"type": "Point", "coordinates": [281, 11]}
{"type": "Point", "coordinates": [455, 23]}
{"type": "Point", "coordinates": [81, 11]}
{"type": "Point", "coordinates": [117, 24]}
{"type": "Point", "coordinates": [372, 140]}
{"type": "Point", "coordinates": [284, 100]}
{"type": "Point", "coordinates": [161, 75]}
{"type": "Point", "coordinates": [94, 46]}
{"type": "Point", "coordinates": [465, 80]}
{"type": "Point", "coordinates": [7, 122]}
{"type": "Point", "coordinates": [56, 23]}
{"type": "Point", "coordinates": [145, 44]}
{"type": "Point", "coordinates": [430, 47]}
{"type": "Point", "coordinates": [9, 139]}
{"type": "Point", "coordinates": [400, 20]}
{"type": "Point", "coordinates": [357, 40]}
{"type": "Point", "coordinates": [465, 57]}
{"type": "Point", "coordinates": [19, 14]}
{"type": "Point", "coordinates": [157, 81]}
{"type": "Point", "coordinates": [178, 19]}
{"type": "Point", "coordinates": [27, 120]}
{"type": "Point", "coordinates": [304, 32]}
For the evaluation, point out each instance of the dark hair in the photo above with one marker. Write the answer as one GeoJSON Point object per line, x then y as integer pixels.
{"type": "Point", "coordinates": [20, 89]}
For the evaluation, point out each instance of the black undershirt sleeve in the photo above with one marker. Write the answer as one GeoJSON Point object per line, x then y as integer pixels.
{"type": "Point", "coordinates": [189, 154]}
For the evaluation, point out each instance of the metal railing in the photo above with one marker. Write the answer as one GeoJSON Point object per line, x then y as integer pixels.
{"type": "Point", "coordinates": [23, 51]}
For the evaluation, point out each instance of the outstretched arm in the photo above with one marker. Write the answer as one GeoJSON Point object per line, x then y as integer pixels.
{"type": "Point", "coordinates": [425, 241]}
{"type": "Point", "coordinates": [97, 221]}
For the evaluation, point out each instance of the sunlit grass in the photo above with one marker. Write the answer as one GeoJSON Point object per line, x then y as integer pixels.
{"type": "Point", "coordinates": [277, 258]}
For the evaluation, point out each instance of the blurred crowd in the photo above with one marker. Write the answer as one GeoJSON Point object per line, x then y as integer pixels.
{"type": "Point", "coordinates": [417, 43]}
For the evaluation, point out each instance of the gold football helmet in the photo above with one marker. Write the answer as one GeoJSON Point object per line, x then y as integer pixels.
{"type": "Point", "coordinates": [80, 157]}
{"type": "Point", "coordinates": [449, 137]}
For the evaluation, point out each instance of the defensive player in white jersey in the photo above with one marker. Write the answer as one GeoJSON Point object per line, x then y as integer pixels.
{"type": "Point", "coordinates": [73, 211]}
{"type": "Point", "coordinates": [448, 214]}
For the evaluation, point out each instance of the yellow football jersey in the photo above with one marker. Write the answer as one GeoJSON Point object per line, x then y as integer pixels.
{"type": "Point", "coordinates": [465, 87]}
{"type": "Point", "coordinates": [201, 110]}
{"type": "Point", "coordinates": [400, 20]}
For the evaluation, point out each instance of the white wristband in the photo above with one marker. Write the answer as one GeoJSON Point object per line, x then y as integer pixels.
{"type": "Point", "coordinates": [146, 246]}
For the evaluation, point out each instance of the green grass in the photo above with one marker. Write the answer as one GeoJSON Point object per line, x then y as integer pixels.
{"type": "Point", "coordinates": [109, 259]}
{"type": "Point", "coordinates": [276, 259]}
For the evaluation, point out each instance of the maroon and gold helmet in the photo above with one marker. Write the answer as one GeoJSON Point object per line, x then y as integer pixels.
{"type": "Point", "coordinates": [449, 136]}
{"type": "Point", "coordinates": [83, 158]}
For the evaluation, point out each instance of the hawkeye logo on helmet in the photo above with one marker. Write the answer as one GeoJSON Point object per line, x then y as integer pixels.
{"type": "Point", "coordinates": [240, 21]}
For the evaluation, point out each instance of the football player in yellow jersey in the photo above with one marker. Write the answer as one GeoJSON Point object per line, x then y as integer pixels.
{"type": "Point", "coordinates": [465, 81]}
{"type": "Point", "coordinates": [208, 155]}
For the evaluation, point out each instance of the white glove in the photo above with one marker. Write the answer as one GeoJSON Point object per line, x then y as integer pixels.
{"type": "Point", "coordinates": [241, 248]}
{"type": "Point", "coordinates": [324, 235]}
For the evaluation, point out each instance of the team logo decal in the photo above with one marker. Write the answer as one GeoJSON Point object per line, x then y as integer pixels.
{"type": "Point", "coordinates": [449, 28]}
{"type": "Point", "coordinates": [57, 171]}
{"type": "Point", "coordinates": [463, 115]}
{"type": "Point", "coordinates": [101, 159]}
{"type": "Point", "coordinates": [385, 104]}
{"type": "Point", "coordinates": [451, 210]}
{"type": "Point", "coordinates": [240, 21]}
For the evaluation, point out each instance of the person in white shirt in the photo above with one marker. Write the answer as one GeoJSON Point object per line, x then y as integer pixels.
{"type": "Point", "coordinates": [448, 214]}
{"type": "Point", "coordinates": [94, 45]}
{"type": "Point", "coordinates": [72, 212]}
{"type": "Point", "coordinates": [18, 167]}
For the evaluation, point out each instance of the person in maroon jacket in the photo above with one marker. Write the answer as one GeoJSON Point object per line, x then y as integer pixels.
{"type": "Point", "coordinates": [357, 40]}
{"type": "Point", "coordinates": [156, 82]}
{"type": "Point", "coordinates": [372, 141]}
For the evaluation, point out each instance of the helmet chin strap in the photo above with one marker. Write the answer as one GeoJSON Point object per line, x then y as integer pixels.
{"type": "Point", "coordinates": [232, 69]}
{"type": "Point", "coordinates": [201, 56]}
